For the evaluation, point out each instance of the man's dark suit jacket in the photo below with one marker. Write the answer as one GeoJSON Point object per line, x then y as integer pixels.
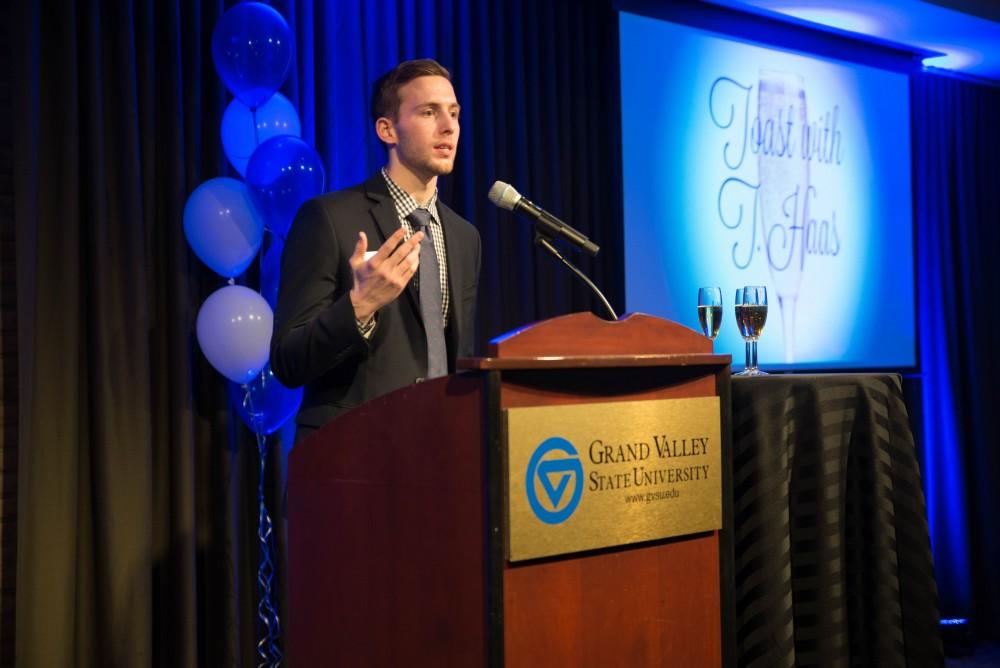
{"type": "Point", "coordinates": [316, 342]}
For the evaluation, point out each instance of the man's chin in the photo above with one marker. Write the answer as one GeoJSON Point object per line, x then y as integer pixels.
{"type": "Point", "coordinates": [428, 168]}
{"type": "Point", "coordinates": [443, 167]}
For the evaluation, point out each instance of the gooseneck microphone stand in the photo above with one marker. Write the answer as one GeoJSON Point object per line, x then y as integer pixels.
{"type": "Point", "coordinates": [546, 242]}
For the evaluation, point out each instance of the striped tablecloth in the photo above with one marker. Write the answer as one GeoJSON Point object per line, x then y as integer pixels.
{"type": "Point", "coordinates": [832, 555]}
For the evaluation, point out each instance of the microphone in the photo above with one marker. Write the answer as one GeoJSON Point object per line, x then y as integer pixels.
{"type": "Point", "coordinates": [504, 196]}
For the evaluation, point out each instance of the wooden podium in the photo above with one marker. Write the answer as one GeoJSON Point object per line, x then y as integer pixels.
{"type": "Point", "coordinates": [397, 536]}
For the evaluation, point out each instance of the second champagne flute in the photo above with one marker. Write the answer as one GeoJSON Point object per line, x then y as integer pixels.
{"type": "Point", "coordinates": [752, 314]}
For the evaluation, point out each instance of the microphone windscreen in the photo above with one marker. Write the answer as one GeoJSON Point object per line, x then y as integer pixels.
{"type": "Point", "coordinates": [504, 196]}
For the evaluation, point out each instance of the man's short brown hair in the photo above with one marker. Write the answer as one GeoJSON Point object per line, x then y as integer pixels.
{"type": "Point", "coordinates": [385, 91]}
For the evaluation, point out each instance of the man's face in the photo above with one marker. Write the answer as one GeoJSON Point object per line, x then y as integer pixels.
{"type": "Point", "coordinates": [426, 130]}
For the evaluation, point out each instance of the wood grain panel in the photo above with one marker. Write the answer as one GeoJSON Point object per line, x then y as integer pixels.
{"type": "Point", "coordinates": [386, 533]}
{"type": "Point", "coordinates": [645, 606]}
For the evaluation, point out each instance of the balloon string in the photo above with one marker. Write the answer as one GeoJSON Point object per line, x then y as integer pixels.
{"type": "Point", "coordinates": [267, 647]}
{"type": "Point", "coordinates": [270, 625]}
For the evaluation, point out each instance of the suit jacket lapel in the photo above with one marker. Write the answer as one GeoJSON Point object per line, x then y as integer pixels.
{"type": "Point", "coordinates": [387, 221]}
{"type": "Point", "coordinates": [383, 209]}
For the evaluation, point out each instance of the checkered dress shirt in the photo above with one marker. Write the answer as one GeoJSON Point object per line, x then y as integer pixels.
{"type": "Point", "coordinates": [405, 205]}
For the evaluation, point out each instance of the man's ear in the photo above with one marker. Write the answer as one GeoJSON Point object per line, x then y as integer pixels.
{"type": "Point", "coordinates": [385, 130]}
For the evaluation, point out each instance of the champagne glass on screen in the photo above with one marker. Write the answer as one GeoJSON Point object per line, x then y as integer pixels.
{"type": "Point", "coordinates": [710, 311]}
{"type": "Point", "coordinates": [782, 192]}
{"type": "Point", "coordinates": [751, 314]}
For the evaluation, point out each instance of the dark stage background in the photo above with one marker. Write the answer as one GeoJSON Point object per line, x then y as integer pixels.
{"type": "Point", "coordinates": [136, 485]}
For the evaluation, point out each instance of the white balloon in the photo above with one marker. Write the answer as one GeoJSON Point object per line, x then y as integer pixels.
{"type": "Point", "coordinates": [234, 331]}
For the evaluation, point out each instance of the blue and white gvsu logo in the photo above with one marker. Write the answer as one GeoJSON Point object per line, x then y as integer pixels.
{"type": "Point", "coordinates": [554, 467]}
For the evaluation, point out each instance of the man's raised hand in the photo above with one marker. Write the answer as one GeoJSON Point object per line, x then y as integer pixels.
{"type": "Point", "coordinates": [380, 280]}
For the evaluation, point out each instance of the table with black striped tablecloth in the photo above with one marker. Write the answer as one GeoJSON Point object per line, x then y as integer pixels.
{"type": "Point", "coordinates": [832, 555]}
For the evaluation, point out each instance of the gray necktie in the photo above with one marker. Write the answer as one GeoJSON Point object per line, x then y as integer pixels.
{"type": "Point", "coordinates": [430, 297]}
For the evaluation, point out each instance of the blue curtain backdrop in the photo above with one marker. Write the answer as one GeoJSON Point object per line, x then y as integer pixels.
{"type": "Point", "coordinates": [957, 195]}
{"type": "Point", "coordinates": [137, 483]}
{"type": "Point", "coordinates": [136, 509]}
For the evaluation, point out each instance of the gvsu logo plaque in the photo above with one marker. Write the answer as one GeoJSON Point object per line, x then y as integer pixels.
{"type": "Point", "coordinates": [555, 468]}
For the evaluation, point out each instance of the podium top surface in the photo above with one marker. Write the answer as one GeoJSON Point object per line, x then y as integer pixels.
{"type": "Point", "coordinates": [592, 361]}
{"type": "Point", "coordinates": [585, 335]}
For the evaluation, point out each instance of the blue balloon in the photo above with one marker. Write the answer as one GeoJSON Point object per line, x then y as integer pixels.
{"type": "Point", "coordinates": [264, 404]}
{"type": "Point", "coordinates": [282, 174]}
{"type": "Point", "coordinates": [252, 51]}
{"type": "Point", "coordinates": [222, 226]}
{"type": "Point", "coordinates": [243, 129]}
{"type": "Point", "coordinates": [234, 331]}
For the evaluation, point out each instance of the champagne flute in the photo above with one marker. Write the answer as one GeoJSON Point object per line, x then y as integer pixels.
{"type": "Point", "coordinates": [710, 311]}
{"type": "Point", "coordinates": [751, 314]}
{"type": "Point", "coordinates": [738, 313]}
